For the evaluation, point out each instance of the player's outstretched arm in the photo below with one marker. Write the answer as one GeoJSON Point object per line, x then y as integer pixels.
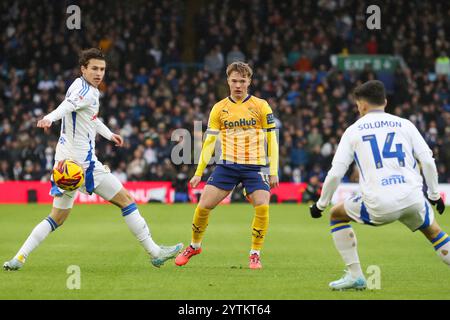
{"type": "Point", "coordinates": [208, 145]}
{"type": "Point", "coordinates": [272, 150]}
{"type": "Point", "coordinates": [64, 108]}
{"type": "Point", "coordinates": [424, 155]}
{"type": "Point", "coordinates": [205, 156]}
{"type": "Point", "coordinates": [44, 123]}
{"type": "Point", "coordinates": [330, 184]}
{"type": "Point", "coordinates": [431, 178]}
{"type": "Point", "coordinates": [104, 131]}
{"type": "Point", "coordinates": [341, 161]}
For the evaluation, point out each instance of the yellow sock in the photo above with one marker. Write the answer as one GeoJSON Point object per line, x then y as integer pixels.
{"type": "Point", "coordinates": [259, 226]}
{"type": "Point", "coordinates": [199, 224]}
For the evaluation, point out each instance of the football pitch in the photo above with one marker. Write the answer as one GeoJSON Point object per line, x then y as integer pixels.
{"type": "Point", "coordinates": [299, 258]}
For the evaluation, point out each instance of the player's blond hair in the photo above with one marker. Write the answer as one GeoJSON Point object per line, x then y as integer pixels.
{"type": "Point", "coordinates": [240, 67]}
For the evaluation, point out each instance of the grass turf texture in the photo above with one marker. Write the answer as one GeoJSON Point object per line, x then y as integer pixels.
{"type": "Point", "coordinates": [299, 258]}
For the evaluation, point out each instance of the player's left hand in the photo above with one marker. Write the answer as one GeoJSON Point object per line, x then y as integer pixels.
{"type": "Point", "coordinates": [440, 205]}
{"type": "Point", "coordinates": [118, 140]}
{"type": "Point", "coordinates": [314, 211]}
{"type": "Point", "coordinates": [273, 181]}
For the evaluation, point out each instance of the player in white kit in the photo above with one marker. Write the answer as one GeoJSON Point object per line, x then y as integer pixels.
{"type": "Point", "coordinates": [388, 151]}
{"type": "Point", "coordinates": [79, 126]}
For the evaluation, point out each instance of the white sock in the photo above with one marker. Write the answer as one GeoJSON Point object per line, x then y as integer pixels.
{"type": "Point", "coordinates": [442, 246]}
{"type": "Point", "coordinates": [254, 251]}
{"type": "Point", "coordinates": [137, 225]}
{"type": "Point", "coordinates": [345, 241]}
{"type": "Point", "coordinates": [196, 246]}
{"type": "Point", "coordinates": [39, 233]}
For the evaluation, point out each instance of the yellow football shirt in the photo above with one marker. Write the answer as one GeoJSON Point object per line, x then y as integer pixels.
{"type": "Point", "coordinates": [241, 126]}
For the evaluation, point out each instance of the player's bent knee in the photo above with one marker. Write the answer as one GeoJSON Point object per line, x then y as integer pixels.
{"type": "Point", "coordinates": [122, 199]}
{"type": "Point", "coordinates": [259, 198]}
{"type": "Point", "coordinates": [211, 197]}
{"type": "Point", "coordinates": [260, 202]}
{"type": "Point", "coordinates": [127, 197]}
{"type": "Point", "coordinates": [205, 204]}
{"type": "Point", "coordinates": [337, 212]}
{"type": "Point", "coordinates": [112, 190]}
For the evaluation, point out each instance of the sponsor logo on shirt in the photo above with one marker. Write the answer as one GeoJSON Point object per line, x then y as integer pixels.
{"type": "Point", "coordinates": [394, 179]}
{"type": "Point", "coordinates": [239, 123]}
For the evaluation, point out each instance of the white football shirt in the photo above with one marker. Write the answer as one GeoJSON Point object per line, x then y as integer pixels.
{"type": "Point", "coordinates": [385, 148]}
{"type": "Point", "coordinates": [79, 123]}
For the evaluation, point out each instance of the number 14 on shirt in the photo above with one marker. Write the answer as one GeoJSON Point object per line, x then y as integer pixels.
{"type": "Point", "coordinates": [387, 153]}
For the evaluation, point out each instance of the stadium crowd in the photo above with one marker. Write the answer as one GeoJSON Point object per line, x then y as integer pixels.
{"type": "Point", "coordinates": [148, 92]}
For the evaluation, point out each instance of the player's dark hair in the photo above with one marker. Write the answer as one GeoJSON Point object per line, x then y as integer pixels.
{"type": "Point", "coordinates": [88, 54]}
{"type": "Point", "coordinates": [371, 91]}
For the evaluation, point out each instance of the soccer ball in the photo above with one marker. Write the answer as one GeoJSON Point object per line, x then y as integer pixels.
{"type": "Point", "coordinates": [68, 175]}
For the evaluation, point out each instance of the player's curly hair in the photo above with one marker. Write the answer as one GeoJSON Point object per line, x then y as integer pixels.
{"type": "Point", "coordinates": [241, 67]}
{"type": "Point", "coordinates": [92, 53]}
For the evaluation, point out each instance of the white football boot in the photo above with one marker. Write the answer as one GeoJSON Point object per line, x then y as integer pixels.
{"type": "Point", "coordinates": [348, 282]}
{"type": "Point", "coordinates": [12, 265]}
{"type": "Point", "coordinates": [166, 253]}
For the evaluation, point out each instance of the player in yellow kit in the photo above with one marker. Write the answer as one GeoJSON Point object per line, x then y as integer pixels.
{"type": "Point", "coordinates": [244, 123]}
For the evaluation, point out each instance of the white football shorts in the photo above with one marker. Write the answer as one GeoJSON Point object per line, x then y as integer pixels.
{"type": "Point", "coordinates": [417, 216]}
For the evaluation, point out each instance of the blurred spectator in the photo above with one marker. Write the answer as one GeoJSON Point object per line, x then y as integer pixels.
{"type": "Point", "coordinates": [299, 155]}
{"type": "Point", "coordinates": [294, 55]}
{"type": "Point", "coordinates": [120, 172]}
{"type": "Point", "coordinates": [136, 168]}
{"type": "Point", "coordinates": [314, 139]}
{"type": "Point", "coordinates": [235, 55]}
{"type": "Point", "coordinates": [443, 64]}
{"type": "Point", "coordinates": [5, 171]}
{"type": "Point", "coordinates": [312, 190]}
{"type": "Point", "coordinates": [372, 45]}
{"type": "Point", "coordinates": [181, 185]}
{"type": "Point", "coordinates": [17, 171]}
{"type": "Point", "coordinates": [214, 61]}
{"type": "Point", "coordinates": [150, 152]}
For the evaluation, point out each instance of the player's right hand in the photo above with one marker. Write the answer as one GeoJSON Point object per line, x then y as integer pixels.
{"type": "Point", "coordinates": [44, 123]}
{"type": "Point", "coordinates": [117, 139]}
{"type": "Point", "coordinates": [314, 211]}
{"type": "Point", "coordinates": [440, 205]}
{"type": "Point", "coordinates": [195, 181]}
{"type": "Point", "coordinates": [273, 182]}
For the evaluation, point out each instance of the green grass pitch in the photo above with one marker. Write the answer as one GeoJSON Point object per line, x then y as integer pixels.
{"type": "Point", "coordinates": [299, 257]}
